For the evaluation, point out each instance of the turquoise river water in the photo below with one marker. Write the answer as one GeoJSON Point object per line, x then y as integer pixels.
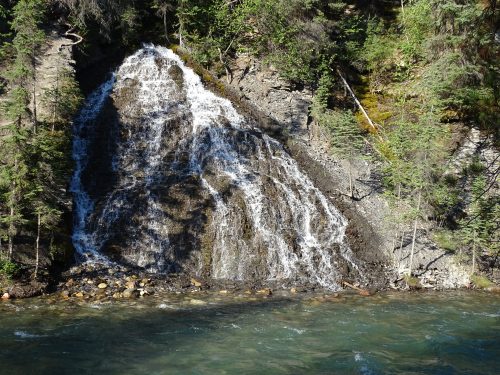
{"type": "Point", "coordinates": [415, 333]}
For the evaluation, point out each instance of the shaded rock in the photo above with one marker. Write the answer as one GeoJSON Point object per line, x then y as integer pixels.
{"type": "Point", "coordinates": [197, 302]}
{"type": "Point", "coordinates": [195, 283]}
{"type": "Point", "coordinates": [266, 292]}
{"type": "Point", "coordinates": [130, 284]}
{"type": "Point", "coordinates": [65, 294]}
{"type": "Point", "coordinates": [31, 289]}
{"type": "Point", "coordinates": [130, 293]}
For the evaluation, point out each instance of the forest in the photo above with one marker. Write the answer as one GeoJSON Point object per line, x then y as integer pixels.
{"type": "Point", "coordinates": [419, 73]}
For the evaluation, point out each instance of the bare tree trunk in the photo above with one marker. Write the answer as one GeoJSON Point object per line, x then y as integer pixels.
{"type": "Point", "coordinates": [34, 106]}
{"type": "Point", "coordinates": [414, 233]}
{"type": "Point", "coordinates": [401, 248]}
{"type": "Point", "coordinates": [12, 227]}
{"type": "Point", "coordinates": [398, 225]}
{"type": "Point", "coordinates": [473, 254]}
{"type": "Point", "coordinates": [11, 231]}
{"type": "Point", "coordinates": [358, 103]}
{"type": "Point", "coordinates": [351, 185]}
{"type": "Point", "coordinates": [181, 43]}
{"type": "Point", "coordinates": [56, 98]}
{"type": "Point", "coordinates": [35, 119]}
{"type": "Point", "coordinates": [229, 75]}
{"type": "Point", "coordinates": [165, 26]}
{"type": "Point", "coordinates": [37, 246]}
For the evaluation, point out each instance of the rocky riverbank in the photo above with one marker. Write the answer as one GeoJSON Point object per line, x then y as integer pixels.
{"type": "Point", "coordinates": [93, 282]}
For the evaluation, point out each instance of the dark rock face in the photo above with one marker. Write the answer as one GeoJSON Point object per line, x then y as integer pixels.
{"type": "Point", "coordinates": [179, 182]}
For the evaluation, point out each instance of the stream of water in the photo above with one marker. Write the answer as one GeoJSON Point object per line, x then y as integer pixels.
{"type": "Point", "coordinates": [431, 333]}
{"type": "Point", "coordinates": [192, 184]}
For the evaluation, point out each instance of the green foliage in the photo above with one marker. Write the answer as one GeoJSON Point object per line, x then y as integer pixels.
{"type": "Point", "coordinates": [412, 282]}
{"type": "Point", "coordinates": [479, 229]}
{"type": "Point", "coordinates": [345, 135]}
{"type": "Point", "coordinates": [481, 282]}
{"type": "Point", "coordinates": [4, 36]}
{"type": "Point", "coordinates": [445, 53]}
{"type": "Point", "coordinates": [378, 47]}
{"type": "Point", "coordinates": [446, 240]}
{"type": "Point", "coordinates": [7, 268]}
{"type": "Point", "coordinates": [27, 20]}
{"type": "Point", "coordinates": [64, 99]}
{"type": "Point", "coordinates": [36, 163]}
{"type": "Point", "coordinates": [294, 36]}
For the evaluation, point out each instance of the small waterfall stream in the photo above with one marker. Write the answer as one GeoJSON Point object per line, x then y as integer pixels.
{"type": "Point", "coordinates": [193, 186]}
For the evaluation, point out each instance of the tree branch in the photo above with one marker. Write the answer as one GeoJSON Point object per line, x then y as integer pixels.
{"type": "Point", "coordinates": [70, 33]}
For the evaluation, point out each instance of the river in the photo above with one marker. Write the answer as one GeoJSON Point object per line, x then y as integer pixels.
{"type": "Point", "coordinates": [390, 333]}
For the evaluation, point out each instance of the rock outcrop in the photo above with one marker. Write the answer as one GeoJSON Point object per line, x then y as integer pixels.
{"type": "Point", "coordinates": [369, 232]}
{"type": "Point", "coordinates": [180, 182]}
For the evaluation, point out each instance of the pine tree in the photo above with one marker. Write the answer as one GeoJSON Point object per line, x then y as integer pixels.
{"type": "Point", "coordinates": [413, 152]}
{"type": "Point", "coordinates": [28, 16]}
{"type": "Point", "coordinates": [345, 136]}
{"type": "Point", "coordinates": [27, 19]}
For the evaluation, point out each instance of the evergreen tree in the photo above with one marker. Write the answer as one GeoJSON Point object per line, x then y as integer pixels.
{"type": "Point", "coordinates": [345, 136]}
{"type": "Point", "coordinates": [27, 19]}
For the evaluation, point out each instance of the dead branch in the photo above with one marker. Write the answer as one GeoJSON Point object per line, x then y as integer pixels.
{"type": "Point", "coordinates": [372, 124]}
{"type": "Point", "coordinates": [70, 33]}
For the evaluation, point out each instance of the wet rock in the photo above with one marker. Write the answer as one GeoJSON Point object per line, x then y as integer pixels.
{"type": "Point", "coordinates": [102, 286]}
{"type": "Point", "coordinates": [65, 294]}
{"type": "Point", "coordinates": [26, 290]}
{"type": "Point", "coordinates": [130, 293]}
{"type": "Point", "coordinates": [5, 296]}
{"type": "Point", "coordinates": [265, 292]}
{"type": "Point", "coordinates": [131, 284]}
{"type": "Point", "coordinates": [494, 289]}
{"type": "Point", "coordinates": [223, 292]}
{"type": "Point", "coordinates": [197, 302]}
{"type": "Point", "coordinates": [79, 295]}
{"type": "Point", "coordinates": [331, 297]}
{"type": "Point", "coordinates": [195, 283]}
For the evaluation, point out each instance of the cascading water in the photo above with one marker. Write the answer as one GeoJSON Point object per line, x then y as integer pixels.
{"type": "Point", "coordinates": [82, 136]}
{"type": "Point", "coordinates": [193, 186]}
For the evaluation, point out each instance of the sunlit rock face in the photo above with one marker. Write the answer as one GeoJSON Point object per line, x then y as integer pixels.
{"type": "Point", "coordinates": [169, 177]}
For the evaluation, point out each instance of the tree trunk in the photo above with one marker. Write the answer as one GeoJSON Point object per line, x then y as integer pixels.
{"type": "Point", "coordinates": [37, 246]}
{"type": "Point", "coordinates": [11, 230]}
{"type": "Point", "coordinates": [351, 185]}
{"type": "Point", "coordinates": [473, 254]}
{"type": "Point", "coordinates": [34, 109]}
{"type": "Point", "coordinates": [12, 226]}
{"type": "Point", "coordinates": [398, 224]}
{"type": "Point", "coordinates": [358, 103]}
{"type": "Point", "coordinates": [181, 43]}
{"type": "Point", "coordinates": [414, 233]}
{"type": "Point", "coordinates": [35, 120]}
{"type": "Point", "coordinates": [401, 248]}
{"type": "Point", "coordinates": [165, 26]}
{"type": "Point", "coordinates": [56, 99]}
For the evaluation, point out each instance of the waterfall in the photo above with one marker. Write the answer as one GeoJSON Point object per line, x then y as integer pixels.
{"type": "Point", "coordinates": [194, 187]}
{"type": "Point", "coordinates": [84, 123]}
